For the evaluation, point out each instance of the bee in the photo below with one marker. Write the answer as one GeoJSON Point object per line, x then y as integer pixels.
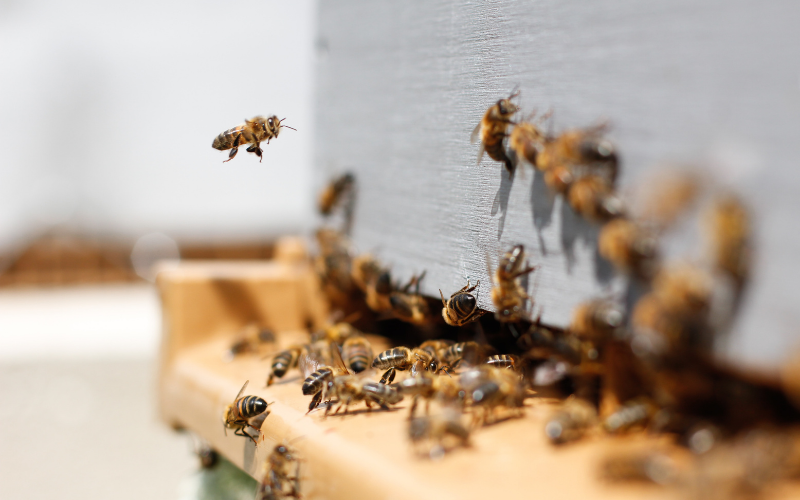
{"type": "Point", "coordinates": [508, 294]}
{"type": "Point", "coordinates": [527, 139]}
{"type": "Point", "coordinates": [238, 414]}
{"type": "Point", "coordinates": [403, 358]}
{"type": "Point", "coordinates": [571, 422]}
{"type": "Point", "coordinates": [445, 430]}
{"type": "Point", "coordinates": [634, 413]}
{"type": "Point", "coordinates": [492, 131]}
{"type": "Point", "coordinates": [337, 332]}
{"type": "Point", "coordinates": [411, 307]}
{"type": "Point", "coordinates": [649, 466]}
{"type": "Point", "coordinates": [462, 307]}
{"type": "Point", "coordinates": [349, 389]}
{"type": "Point", "coordinates": [334, 262]}
{"type": "Point", "coordinates": [424, 385]}
{"type": "Point", "coordinates": [335, 192]}
{"type": "Point", "coordinates": [317, 382]}
{"type": "Point", "coordinates": [559, 178]}
{"type": "Point", "coordinates": [365, 269]}
{"type": "Point", "coordinates": [597, 320]}
{"type": "Point", "coordinates": [357, 353]}
{"type": "Point", "coordinates": [629, 246]}
{"type": "Point", "coordinates": [253, 132]}
{"type": "Point", "coordinates": [470, 351]}
{"type": "Point", "coordinates": [728, 228]}
{"type": "Point", "coordinates": [507, 361]}
{"type": "Point", "coordinates": [374, 280]}
{"type": "Point", "coordinates": [285, 361]}
{"type": "Point", "coordinates": [248, 341]}
{"type": "Point", "coordinates": [582, 150]}
{"type": "Point", "coordinates": [276, 481]}
{"type": "Point", "coordinates": [489, 387]}
{"type": "Point", "coordinates": [593, 197]}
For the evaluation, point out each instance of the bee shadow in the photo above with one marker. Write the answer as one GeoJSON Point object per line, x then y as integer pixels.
{"type": "Point", "coordinates": [501, 199]}
{"type": "Point", "coordinates": [542, 203]}
{"type": "Point", "coordinates": [361, 411]}
{"type": "Point", "coordinates": [574, 228]}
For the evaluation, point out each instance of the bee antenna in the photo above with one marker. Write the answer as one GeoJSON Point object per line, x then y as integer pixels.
{"type": "Point", "coordinates": [290, 128]}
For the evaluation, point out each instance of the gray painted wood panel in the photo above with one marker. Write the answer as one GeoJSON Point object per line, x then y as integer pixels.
{"type": "Point", "coordinates": [402, 84]}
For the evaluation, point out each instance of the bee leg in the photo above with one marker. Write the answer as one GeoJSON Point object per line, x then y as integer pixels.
{"type": "Point", "coordinates": [235, 148]}
{"type": "Point", "coordinates": [369, 406]}
{"type": "Point", "coordinates": [413, 408]}
{"type": "Point", "coordinates": [314, 402]}
{"type": "Point", "coordinates": [389, 372]}
{"type": "Point", "coordinates": [257, 150]}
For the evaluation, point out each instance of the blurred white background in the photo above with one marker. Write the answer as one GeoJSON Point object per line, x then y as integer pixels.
{"type": "Point", "coordinates": [107, 114]}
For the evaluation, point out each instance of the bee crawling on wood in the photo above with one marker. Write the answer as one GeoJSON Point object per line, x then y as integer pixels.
{"type": "Point", "coordinates": [508, 294]}
{"type": "Point", "coordinates": [237, 415]}
{"type": "Point", "coordinates": [492, 131]}
{"type": "Point", "coordinates": [277, 480]}
{"type": "Point", "coordinates": [252, 132]}
{"type": "Point", "coordinates": [443, 431]}
{"type": "Point", "coordinates": [445, 390]}
{"type": "Point", "coordinates": [357, 353]}
{"type": "Point", "coordinates": [284, 361]}
{"type": "Point", "coordinates": [462, 307]}
{"type": "Point", "coordinates": [489, 388]}
{"type": "Point", "coordinates": [629, 246]}
{"type": "Point", "coordinates": [583, 150]}
{"type": "Point", "coordinates": [403, 358]}
{"type": "Point", "coordinates": [571, 422]}
{"type": "Point", "coordinates": [249, 340]}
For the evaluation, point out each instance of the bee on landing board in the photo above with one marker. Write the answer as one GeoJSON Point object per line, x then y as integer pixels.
{"type": "Point", "coordinates": [508, 294]}
{"type": "Point", "coordinates": [462, 307]}
{"type": "Point", "coordinates": [403, 358]}
{"type": "Point", "coordinates": [357, 353]}
{"type": "Point", "coordinates": [252, 132]}
{"type": "Point", "coordinates": [492, 131]}
{"type": "Point", "coordinates": [237, 415]}
{"type": "Point", "coordinates": [284, 361]}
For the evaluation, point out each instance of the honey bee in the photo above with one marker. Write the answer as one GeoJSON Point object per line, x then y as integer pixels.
{"type": "Point", "coordinates": [411, 307]}
{"type": "Point", "coordinates": [348, 389]}
{"type": "Point", "coordinates": [470, 351]}
{"type": "Point", "coordinates": [462, 307]}
{"type": "Point", "coordinates": [276, 481]}
{"type": "Point", "coordinates": [445, 431]}
{"type": "Point", "coordinates": [357, 353]}
{"type": "Point", "coordinates": [597, 320]}
{"type": "Point", "coordinates": [728, 229]}
{"type": "Point", "coordinates": [403, 358]}
{"type": "Point", "coordinates": [593, 197]}
{"type": "Point", "coordinates": [284, 361]}
{"type": "Point", "coordinates": [249, 340]}
{"type": "Point", "coordinates": [334, 262]}
{"type": "Point", "coordinates": [527, 139]}
{"type": "Point", "coordinates": [335, 192]}
{"type": "Point", "coordinates": [253, 132]}
{"type": "Point", "coordinates": [489, 388]}
{"type": "Point", "coordinates": [571, 422]}
{"type": "Point", "coordinates": [559, 178]}
{"type": "Point", "coordinates": [238, 414]}
{"type": "Point", "coordinates": [375, 281]}
{"type": "Point", "coordinates": [629, 246]}
{"type": "Point", "coordinates": [337, 332]}
{"type": "Point", "coordinates": [633, 413]}
{"type": "Point", "coordinates": [492, 131]}
{"type": "Point", "coordinates": [508, 294]}
{"type": "Point", "coordinates": [424, 385]}
{"type": "Point", "coordinates": [582, 150]}
{"type": "Point", "coordinates": [507, 361]}
{"type": "Point", "coordinates": [317, 382]}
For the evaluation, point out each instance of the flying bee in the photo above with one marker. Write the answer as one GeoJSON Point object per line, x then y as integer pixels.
{"type": "Point", "coordinates": [583, 150]}
{"type": "Point", "coordinates": [629, 246]}
{"type": "Point", "coordinates": [462, 307]}
{"type": "Point", "coordinates": [284, 361]}
{"type": "Point", "coordinates": [489, 387]}
{"type": "Point", "coordinates": [507, 361]}
{"type": "Point", "coordinates": [571, 422]}
{"type": "Point", "coordinates": [357, 353]}
{"type": "Point", "coordinates": [559, 178]}
{"type": "Point", "coordinates": [411, 306]}
{"type": "Point", "coordinates": [253, 132]}
{"type": "Point", "coordinates": [403, 358]}
{"type": "Point", "coordinates": [527, 139]}
{"type": "Point", "coordinates": [424, 385]}
{"type": "Point", "coordinates": [508, 294]}
{"type": "Point", "coordinates": [277, 481]}
{"type": "Point", "coordinates": [237, 415]}
{"type": "Point", "coordinates": [597, 320]}
{"type": "Point", "coordinates": [492, 131]}
{"type": "Point", "coordinates": [335, 192]}
{"type": "Point", "coordinates": [444, 430]}
{"type": "Point", "coordinates": [593, 197]}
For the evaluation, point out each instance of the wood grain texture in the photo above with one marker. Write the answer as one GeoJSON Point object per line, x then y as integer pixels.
{"type": "Point", "coordinates": [402, 84]}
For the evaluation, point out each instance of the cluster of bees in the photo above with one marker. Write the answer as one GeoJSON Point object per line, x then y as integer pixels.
{"type": "Point", "coordinates": [646, 364]}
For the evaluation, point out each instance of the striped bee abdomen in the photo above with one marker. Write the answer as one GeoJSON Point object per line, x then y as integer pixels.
{"type": "Point", "coordinates": [226, 139]}
{"type": "Point", "coordinates": [316, 381]}
{"type": "Point", "coordinates": [464, 304]}
{"type": "Point", "coordinates": [250, 406]}
{"type": "Point", "coordinates": [502, 361]}
{"type": "Point", "coordinates": [382, 393]}
{"type": "Point", "coordinates": [399, 358]}
{"type": "Point", "coordinates": [284, 361]}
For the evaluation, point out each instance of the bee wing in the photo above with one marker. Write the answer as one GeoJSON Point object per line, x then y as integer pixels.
{"type": "Point", "coordinates": [476, 133]}
{"type": "Point", "coordinates": [241, 390]}
{"type": "Point", "coordinates": [309, 362]}
{"type": "Point", "coordinates": [481, 150]}
{"type": "Point", "coordinates": [336, 360]}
